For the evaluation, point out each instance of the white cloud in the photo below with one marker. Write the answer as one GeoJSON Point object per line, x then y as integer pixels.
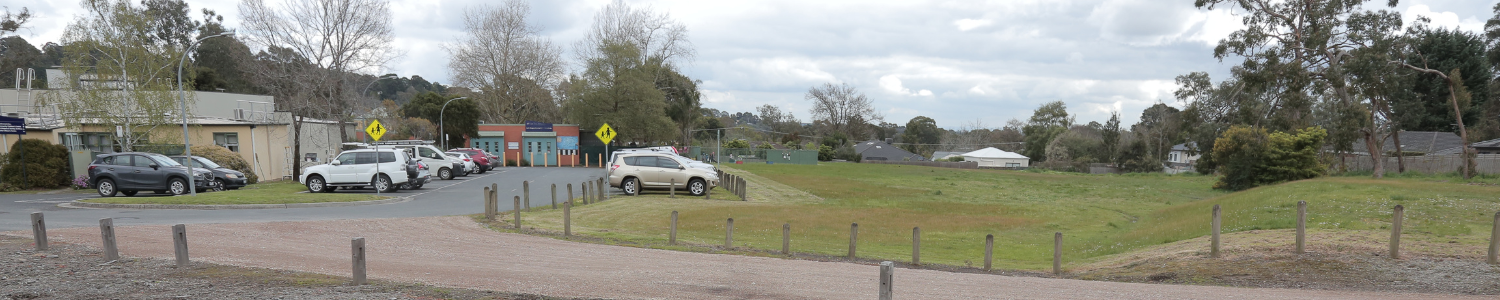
{"type": "Point", "coordinates": [970, 24]}
{"type": "Point", "coordinates": [1445, 19]}
{"type": "Point", "coordinates": [892, 84]}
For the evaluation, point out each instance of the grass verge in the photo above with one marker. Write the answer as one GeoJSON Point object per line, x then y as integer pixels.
{"type": "Point", "coordinates": [1099, 215]}
{"type": "Point", "coordinates": [275, 192]}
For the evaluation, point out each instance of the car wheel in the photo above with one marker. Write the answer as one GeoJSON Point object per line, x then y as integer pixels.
{"type": "Point", "coordinates": [445, 174]}
{"type": "Point", "coordinates": [383, 184]}
{"type": "Point", "coordinates": [177, 186]}
{"type": "Point", "coordinates": [697, 187]}
{"type": "Point", "coordinates": [316, 184]}
{"type": "Point", "coordinates": [106, 187]}
{"type": "Point", "coordinates": [217, 185]}
{"type": "Point", "coordinates": [631, 186]}
{"type": "Point", "coordinates": [128, 193]}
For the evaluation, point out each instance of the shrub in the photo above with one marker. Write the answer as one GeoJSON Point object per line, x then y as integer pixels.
{"type": "Point", "coordinates": [45, 165]}
{"type": "Point", "coordinates": [81, 183]}
{"type": "Point", "coordinates": [736, 144]}
{"type": "Point", "coordinates": [825, 153]}
{"type": "Point", "coordinates": [956, 159]}
{"type": "Point", "coordinates": [227, 159]}
{"type": "Point", "coordinates": [1250, 157]}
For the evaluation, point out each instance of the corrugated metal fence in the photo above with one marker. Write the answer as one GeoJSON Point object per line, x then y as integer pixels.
{"type": "Point", "coordinates": [1429, 164]}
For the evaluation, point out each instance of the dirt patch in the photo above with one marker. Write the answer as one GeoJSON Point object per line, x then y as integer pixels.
{"type": "Point", "coordinates": [1335, 260]}
{"type": "Point", "coordinates": [67, 271]}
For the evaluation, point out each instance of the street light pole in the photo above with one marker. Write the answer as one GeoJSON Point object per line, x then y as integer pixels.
{"type": "Point", "coordinates": [441, 134]}
{"type": "Point", "coordinates": [187, 144]}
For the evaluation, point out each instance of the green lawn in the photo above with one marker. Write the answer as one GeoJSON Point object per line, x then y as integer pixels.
{"type": "Point", "coordinates": [1099, 215]}
{"type": "Point", "coordinates": [275, 192]}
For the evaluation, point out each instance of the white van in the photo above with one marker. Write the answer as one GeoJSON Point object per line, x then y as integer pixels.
{"type": "Point", "coordinates": [432, 156]}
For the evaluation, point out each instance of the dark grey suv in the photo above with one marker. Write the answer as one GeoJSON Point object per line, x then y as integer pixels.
{"type": "Point", "coordinates": [131, 172]}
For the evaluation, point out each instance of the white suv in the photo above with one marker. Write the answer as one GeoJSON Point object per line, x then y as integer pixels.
{"type": "Point", "coordinates": [359, 168]}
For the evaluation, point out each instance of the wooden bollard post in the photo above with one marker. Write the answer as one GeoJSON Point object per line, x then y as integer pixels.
{"type": "Point", "coordinates": [584, 187]}
{"type": "Point", "coordinates": [916, 245]}
{"type": "Point", "coordinates": [489, 205]}
{"type": "Point", "coordinates": [107, 231]}
{"type": "Point", "coordinates": [887, 276]}
{"type": "Point", "coordinates": [1301, 227]}
{"type": "Point", "coordinates": [526, 194]}
{"type": "Point", "coordinates": [989, 250]}
{"type": "Point", "coordinates": [673, 188]}
{"type": "Point", "coordinates": [1057, 253]}
{"type": "Point", "coordinates": [554, 196]}
{"type": "Point", "coordinates": [568, 218]}
{"type": "Point", "coordinates": [1494, 257]}
{"type": "Point", "coordinates": [1396, 231]}
{"type": "Point", "coordinates": [517, 207]}
{"type": "Point", "coordinates": [604, 189]}
{"type": "Point", "coordinates": [357, 253]}
{"type": "Point", "coordinates": [853, 238]}
{"type": "Point", "coordinates": [744, 190]}
{"type": "Point", "coordinates": [729, 234]}
{"type": "Point", "coordinates": [708, 193]}
{"type": "Point", "coordinates": [786, 239]}
{"type": "Point", "coordinates": [570, 193]}
{"type": "Point", "coordinates": [39, 231]}
{"type": "Point", "coordinates": [672, 237]}
{"type": "Point", "coordinates": [1214, 245]}
{"type": "Point", "coordinates": [179, 242]}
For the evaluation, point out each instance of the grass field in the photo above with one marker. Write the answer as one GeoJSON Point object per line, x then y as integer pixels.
{"type": "Point", "coordinates": [1099, 215]}
{"type": "Point", "coordinates": [275, 192]}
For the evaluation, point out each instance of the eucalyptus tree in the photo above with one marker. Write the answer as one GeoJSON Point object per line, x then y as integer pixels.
{"type": "Point", "coordinates": [510, 65]}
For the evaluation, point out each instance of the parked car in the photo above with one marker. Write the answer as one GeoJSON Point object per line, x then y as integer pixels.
{"type": "Point", "coordinates": [484, 159]}
{"type": "Point", "coordinates": [416, 173]}
{"type": "Point", "coordinates": [469, 163]}
{"type": "Point", "coordinates": [383, 169]}
{"type": "Point", "coordinates": [689, 161]}
{"type": "Point", "coordinates": [131, 172]}
{"type": "Point", "coordinates": [430, 155]}
{"type": "Point", "coordinates": [633, 172]}
{"type": "Point", "coordinates": [224, 178]}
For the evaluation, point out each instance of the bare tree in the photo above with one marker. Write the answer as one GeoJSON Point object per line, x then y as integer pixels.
{"type": "Point", "coordinates": [660, 39]}
{"type": "Point", "coordinates": [508, 63]}
{"type": "Point", "coordinates": [842, 109]}
{"type": "Point", "coordinates": [311, 48]}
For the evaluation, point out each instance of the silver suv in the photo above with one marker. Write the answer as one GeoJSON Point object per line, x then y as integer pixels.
{"type": "Point", "coordinates": [633, 172]}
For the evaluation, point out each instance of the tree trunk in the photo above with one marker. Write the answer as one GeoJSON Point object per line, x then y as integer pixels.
{"type": "Point", "coordinates": [296, 147]}
{"type": "Point", "coordinates": [1376, 155]}
{"type": "Point", "coordinates": [1400, 154]}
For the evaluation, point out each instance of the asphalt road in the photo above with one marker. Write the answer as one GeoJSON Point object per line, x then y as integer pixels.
{"type": "Point", "coordinates": [463, 195]}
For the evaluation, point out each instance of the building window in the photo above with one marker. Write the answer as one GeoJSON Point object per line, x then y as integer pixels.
{"type": "Point", "coordinates": [1173, 157]}
{"type": "Point", "coordinates": [229, 140]}
{"type": "Point", "coordinates": [1012, 165]}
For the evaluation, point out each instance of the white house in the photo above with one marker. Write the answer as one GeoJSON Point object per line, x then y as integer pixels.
{"type": "Point", "coordinates": [996, 158]}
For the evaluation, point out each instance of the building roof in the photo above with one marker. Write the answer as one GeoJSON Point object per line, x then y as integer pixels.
{"type": "Point", "coordinates": [991, 152]}
{"type": "Point", "coordinates": [1427, 142]}
{"type": "Point", "coordinates": [880, 150]}
{"type": "Point", "coordinates": [945, 154]}
{"type": "Point", "coordinates": [1185, 146]}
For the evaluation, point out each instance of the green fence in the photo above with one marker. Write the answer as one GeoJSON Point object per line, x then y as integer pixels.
{"type": "Point", "coordinates": [770, 156]}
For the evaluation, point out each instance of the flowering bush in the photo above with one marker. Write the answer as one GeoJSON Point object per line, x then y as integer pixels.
{"type": "Point", "coordinates": [80, 183]}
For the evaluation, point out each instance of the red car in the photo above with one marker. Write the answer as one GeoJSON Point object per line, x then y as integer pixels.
{"type": "Point", "coordinates": [485, 161]}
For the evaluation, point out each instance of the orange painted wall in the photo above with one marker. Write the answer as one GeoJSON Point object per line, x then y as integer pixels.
{"type": "Point", "coordinates": [513, 135]}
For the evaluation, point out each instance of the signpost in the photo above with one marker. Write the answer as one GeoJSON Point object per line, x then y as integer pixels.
{"type": "Point", "coordinates": [16, 126]}
{"type": "Point", "coordinates": [606, 134]}
{"type": "Point", "coordinates": [375, 130]}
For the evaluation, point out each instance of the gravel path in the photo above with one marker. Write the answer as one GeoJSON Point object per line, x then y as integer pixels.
{"type": "Point", "coordinates": [457, 252]}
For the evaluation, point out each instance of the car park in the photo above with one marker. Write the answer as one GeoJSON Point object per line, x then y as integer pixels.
{"type": "Point", "coordinates": [665, 150]}
{"type": "Point", "coordinates": [385, 170]}
{"type": "Point", "coordinates": [131, 172]}
{"type": "Point", "coordinates": [633, 172]}
{"type": "Point", "coordinates": [417, 174]}
{"type": "Point", "coordinates": [223, 178]}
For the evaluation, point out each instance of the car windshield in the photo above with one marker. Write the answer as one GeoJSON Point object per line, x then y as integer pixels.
{"type": "Point", "coordinates": [163, 160]}
{"type": "Point", "coordinates": [205, 163]}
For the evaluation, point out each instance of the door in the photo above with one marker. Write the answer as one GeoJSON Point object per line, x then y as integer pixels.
{"type": "Point", "coordinates": [489, 144]}
{"type": "Point", "coordinates": [646, 167]}
{"type": "Point", "coordinates": [363, 169]}
{"type": "Point", "coordinates": [542, 151]}
{"type": "Point", "coordinates": [123, 170]}
{"type": "Point", "coordinates": [670, 170]}
{"type": "Point", "coordinates": [144, 177]}
{"type": "Point", "coordinates": [344, 172]}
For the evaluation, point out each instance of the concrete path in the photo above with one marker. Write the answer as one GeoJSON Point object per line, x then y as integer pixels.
{"type": "Point", "coordinates": [456, 252]}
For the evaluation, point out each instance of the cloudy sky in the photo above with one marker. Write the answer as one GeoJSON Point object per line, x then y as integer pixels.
{"type": "Point", "coordinates": [955, 61]}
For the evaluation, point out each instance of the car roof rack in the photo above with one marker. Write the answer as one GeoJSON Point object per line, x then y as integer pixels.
{"type": "Point", "coordinates": [405, 142]}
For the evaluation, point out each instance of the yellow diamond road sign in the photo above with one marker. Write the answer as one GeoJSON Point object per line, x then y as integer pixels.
{"type": "Point", "coordinates": [375, 130]}
{"type": "Point", "coordinates": [605, 133]}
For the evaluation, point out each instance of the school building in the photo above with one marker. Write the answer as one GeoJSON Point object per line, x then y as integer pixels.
{"type": "Point", "coordinates": [533, 143]}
